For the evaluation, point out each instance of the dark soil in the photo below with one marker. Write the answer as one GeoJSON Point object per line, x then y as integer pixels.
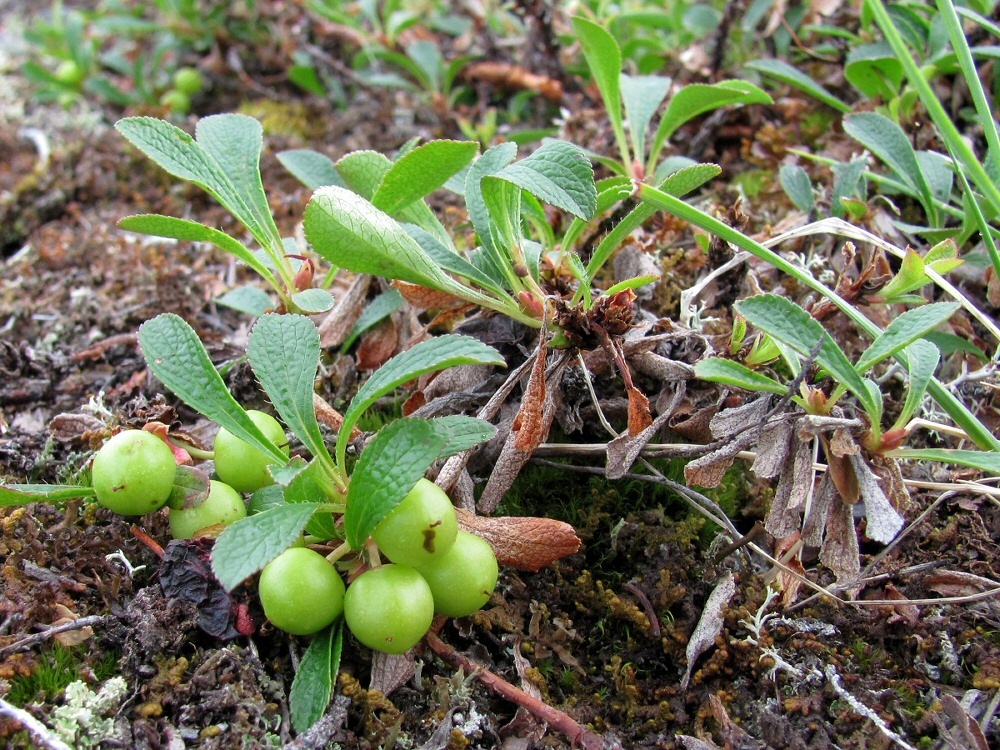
{"type": "Point", "coordinates": [601, 635]}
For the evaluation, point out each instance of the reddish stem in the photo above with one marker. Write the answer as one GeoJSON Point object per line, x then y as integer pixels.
{"type": "Point", "coordinates": [579, 735]}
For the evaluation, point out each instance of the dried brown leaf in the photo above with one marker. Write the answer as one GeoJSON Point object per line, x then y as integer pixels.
{"type": "Point", "coordinates": [514, 77]}
{"type": "Point", "coordinates": [639, 416]}
{"type": "Point", "coordinates": [842, 473]}
{"type": "Point", "coordinates": [525, 543]}
{"type": "Point", "coordinates": [966, 734]}
{"type": "Point", "coordinates": [391, 671]}
{"type": "Point", "coordinates": [529, 428]}
{"type": "Point", "coordinates": [624, 449]}
{"type": "Point", "coordinates": [337, 323]}
{"type": "Point", "coordinates": [840, 552]}
{"type": "Point", "coordinates": [957, 583]}
{"type": "Point", "coordinates": [883, 522]}
{"type": "Point", "coordinates": [774, 448]}
{"type": "Point", "coordinates": [709, 625]}
{"type": "Point", "coordinates": [424, 298]}
{"type": "Point", "coordinates": [794, 485]}
{"type": "Point", "coordinates": [738, 419]}
{"type": "Point", "coordinates": [904, 611]}
{"type": "Point", "coordinates": [378, 345]}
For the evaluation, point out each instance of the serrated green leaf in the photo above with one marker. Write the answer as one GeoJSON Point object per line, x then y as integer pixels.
{"type": "Point", "coordinates": [312, 686]}
{"type": "Point", "coordinates": [937, 171]}
{"type": "Point", "coordinates": [904, 330]}
{"type": "Point", "coordinates": [462, 433]}
{"type": "Point", "coordinates": [428, 356]}
{"type": "Point", "coordinates": [787, 322]}
{"type": "Point", "coordinates": [235, 143]}
{"type": "Point", "coordinates": [728, 372]}
{"type": "Point", "coordinates": [503, 201]}
{"type": "Point", "coordinates": [247, 299]}
{"type": "Point", "coordinates": [642, 96]}
{"type": "Point", "coordinates": [284, 352]}
{"type": "Point", "coordinates": [422, 171]}
{"type": "Point", "coordinates": [888, 142]}
{"type": "Point", "coordinates": [451, 261]}
{"type": "Point", "coordinates": [191, 231]}
{"type": "Point", "coordinates": [558, 173]}
{"type": "Point", "coordinates": [246, 546]}
{"type": "Point", "coordinates": [191, 487]}
{"type": "Point", "coordinates": [313, 300]}
{"type": "Point", "coordinates": [786, 73]}
{"type": "Point", "coordinates": [684, 180]}
{"type": "Point", "coordinates": [351, 233]}
{"type": "Point", "coordinates": [604, 59]}
{"type": "Point", "coordinates": [390, 465]}
{"type": "Point", "coordinates": [362, 171]}
{"type": "Point", "coordinates": [697, 98]}
{"type": "Point", "coordinates": [490, 163]}
{"type": "Point", "coordinates": [923, 359]}
{"type": "Point", "coordinates": [311, 168]}
{"type": "Point", "coordinates": [22, 494]}
{"type": "Point", "coordinates": [797, 186]}
{"type": "Point", "coordinates": [949, 343]}
{"type": "Point", "coordinates": [176, 356]}
{"type": "Point", "coordinates": [988, 461]}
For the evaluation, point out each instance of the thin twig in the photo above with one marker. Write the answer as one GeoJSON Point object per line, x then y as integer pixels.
{"type": "Point", "coordinates": [578, 735]}
{"type": "Point", "coordinates": [31, 640]}
{"type": "Point", "coordinates": [42, 734]}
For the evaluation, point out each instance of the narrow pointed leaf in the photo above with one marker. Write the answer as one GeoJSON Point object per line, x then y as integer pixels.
{"type": "Point", "coordinates": [642, 96]}
{"type": "Point", "coordinates": [351, 233]}
{"type": "Point", "coordinates": [22, 494]}
{"type": "Point", "coordinates": [246, 546]}
{"type": "Point", "coordinates": [686, 179]}
{"type": "Point", "coordinates": [422, 171]}
{"type": "Point", "coordinates": [191, 231]}
{"type": "Point", "coordinates": [787, 322]}
{"type": "Point", "coordinates": [728, 372]}
{"type": "Point", "coordinates": [604, 59]}
{"type": "Point", "coordinates": [558, 173]}
{"type": "Point", "coordinates": [462, 433]}
{"type": "Point", "coordinates": [284, 352]}
{"type": "Point", "coordinates": [312, 686]}
{"type": "Point", "coordinates": [786, 73]}
{"type": "Point", "coordinates": [904, 330]}
{"type": "Point", "coordinates": [391, 464]}
{"type": "Point", "coordinates": [797, 186]}
{"type": "Point", "coordinates": [176, 356]}
{"type": "Point", "coordinates": [988, 461]}
{"type": "Point", "coordinates": [427, 356]}
{"type": "Point", "coordinates": [923, 357]}
{"type": "Point", "coordinates": [490, 163]}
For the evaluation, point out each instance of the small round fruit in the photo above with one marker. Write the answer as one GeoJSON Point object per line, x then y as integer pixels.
{"type": "Point", "coordinates": [422, 527]}
{"type": "Point", "coordinates": [223, 506]}
{"type": "Point", "coordinates": [133, 473]}
{"type": "Point", "coordinates": [463, 578]}
{"type": "Point", "coordinates": [239, 464]}
{"type": "Point", "coordinates": [301, 592]}
{"type": "Point", "coordinates": [176, 101]}
{"type": "Point", "coordinates": [70, 73]}
{"type": "Point", "coordinates": [188, 80]}
{"type": "Point", "coordinates": [389, 608]}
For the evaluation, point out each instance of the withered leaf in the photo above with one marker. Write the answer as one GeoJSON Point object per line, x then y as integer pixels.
{"type": "Point", "coordinates": [525, 543]}
{"type": "Point", "coordinates": [773, 449]}
{"type": "Point", "coordinates": [378, 344]}
{"type": "Point", "coordinates": [709, 625]}
{"type": "Point", "coordinates": [528, 428]}
{"type": "Point", "coordinates": [842, 473]}
{"type": "Point", "coordinates": [639, 416]}
{"type": "Point", "coordinates": [737, 419]}
{"type": "Point", "coordinates": [624, 449]}
{"type": "Point", "coordinates": [708, 470]}
{"type": "Point", "coordinates": [391, 671]}
{"type": "Point", "coordinates": [884, 523]}
{"type": "Point", "coordinates": [794, 485]}
{"type": "Point", "coordinates": [840, 546]}
{"type": "Point", "coordinates": [423, 298]}
{"type": "Point", "coordinates": [515, 77]}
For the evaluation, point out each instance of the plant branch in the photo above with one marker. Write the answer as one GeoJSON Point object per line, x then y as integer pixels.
{"type": "Point", "coordinates": [42, 734]}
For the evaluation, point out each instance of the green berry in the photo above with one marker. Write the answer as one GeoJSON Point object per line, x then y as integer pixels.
{"type": "Point", "coordinates": [242, 466]}
{"type": "Point", "coordinates": [301, 592]}
{"type": "Point", "coordinates": [223, 506]}
{"type": "Point", "coordinates": [463, 578]}
{"type": "Point", "coordinates": [133, 473]}
{"type": "Point", "coordinates": [389, 608]}
{"type": "Point", "coordinates": [422, 527]}
{"type": "Point", "coordinates": [188, 80]}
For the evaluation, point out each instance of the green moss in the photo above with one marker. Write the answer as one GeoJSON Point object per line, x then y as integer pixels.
{"type": "Point", "coordinates": [57, 667]}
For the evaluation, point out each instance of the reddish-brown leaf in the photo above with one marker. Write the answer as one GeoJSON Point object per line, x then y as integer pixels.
{"type": "Point", "coordinates": [525, 543]}
{"type": "Point", "coordinates": [639, 416]}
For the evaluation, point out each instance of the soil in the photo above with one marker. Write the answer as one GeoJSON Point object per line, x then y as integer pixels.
{"type": "Point", "coordinates": [603, 635]}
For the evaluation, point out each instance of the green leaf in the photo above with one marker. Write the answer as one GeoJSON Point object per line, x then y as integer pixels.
{"type": "Point", "coordinates": [923, 357]}
{"type": "Point", "coordinates": [786, 73]}
{"type": "Point", "coordinates": [389, 467]}
{"type": "Point", "coordinates": [903, 331]}
{"type": "Point", "coordinates": [362, 171]}
{"type": "Point", "coordinates": [351, 233]}
{"type": "Point", "coordinates": [642, 96]}
{"type": "Point", "coordinates": [988, 461]}
{"type": "Point", "coordinates": [176, 356]}
{"type": "Point", "coordinates": [786, 321]}
{"type": "Point", "coordinates": [451, 261]}
{"type": "Point", "coordinates": [503, 201]}
{"type": "Point", "coordinates": [949, 343]}
{"type": "Point", "coordinates": [284, 352]}
{"type": "Point", "coordinates": [191, 231]}
{"type": "Point", "coordinates": [874, 70]}
{"type": "Point", "coordinates": [888, 142]}
{"type": "Point", "coordinates": [696, 99]}
{"type": "Point", "coordinates": [462, 433]}
{"type": "Point", "coordinates": [633, 283]}
{"type": "Point", "coordinates": [684, 180]}
{"type": "Point", "coordinates": [312, 686]}
{"type": "Point", "coordinates": [22, 494]}
{"type": "Point", "coordinates": [490, 163]}
{"type": "Point", "coordinates": [428, 356]}
{"type": "Point", "coordinates": [604, 59]}
{"type": "Point", "coordinates": [247, 299]}
{"type": "Point", "coordinates": [313, 300]}
{"type": "Point", "coordinates": [558, 173]}
{"type": "Point", "coordinates": [246, 546]}
{"type": "Point", "coordinates": [422, 171]}
{"type": "Point", "coordinates": [377, 310]}
{"type": "Point", "coordinates": [311, 168]}
{"type": "Point", "coordinates": [719, 370]}
{"type": "Point", "coordinates": [184, 157]}
{"type": "Point", "coordinates": [797, 186]}
{"type": "Point", "coordinates": [235, 143]}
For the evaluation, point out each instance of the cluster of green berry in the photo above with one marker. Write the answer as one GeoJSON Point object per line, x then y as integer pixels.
{"type": "Point", "coordinates": [435, 567]}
